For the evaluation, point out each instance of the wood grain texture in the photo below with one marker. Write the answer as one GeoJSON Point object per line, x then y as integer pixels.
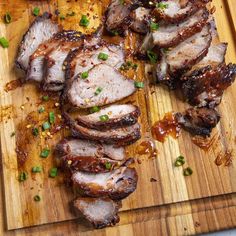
{"type": "Point", "coordinates": [164, 214]}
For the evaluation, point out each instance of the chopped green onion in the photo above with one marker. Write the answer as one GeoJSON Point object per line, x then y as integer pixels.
{"type": "Point", "coordinates": [135, 66]}
{"type": "Point", "coordinates": [154, 26]}
{"type": "Point", "coordinates": [41, 109]}
{"type": "Point", "coordinates": [35, 131]}
{"type": "Point", "coordinates": [4, 42]}
{"type": "Point", "coordinates": [53, 172]}
{"type": "Point", "coordinates": [94, 109]}
{"type": "Point", "coordinates": [7, 18]}
{"type": "Point", "coordinates": [51, 117]}
{"type": "Point", "coordinates": [114, 32]}
{"type": "Point", "coordinates": [84, 75]}
{"type": "Point", "coordinates": [23, 176]}
{"type": "Point", "coordinates": [84, 21]}
{"type": "Point", "coordinates": [98, 90]}
{"type": "Point", "coordinates": [180, 157]}
{"type": "Point", "coordinates": [108, 165]}
{"type": "Point", "coordinates": [104, 118]}
{"type": "Point", "coordinates": [36, 169]}
{"type": "Point", "coordinates": [102, 56]}
{"type": "Point", "coordinates": [139, 84]}
{"type": "Point", "coordinates": [127, 65]}
{"type": "Point", "coordinates": [122, 2]}
{"type": "Point", "coordinates": [62, 17]}
{"type": "Point", "coordinates": [179, 161]}
{"type": "Point", "coordinates": [45, 153]}
{"type": "Point", "coordinates": [36, 11]}
{"type": "Point", "coordinates": [187, 171]}
{"type": "Point", "coordinates": [37, 198]}
{"type": "Point", "coordinates": [152, 56]}
{"type": "Point", "coordinates": [165, 50]}
{"type": "Point", "coordinates": [13, 134]}
{"type": "Point", "coordinates": [45, 98]}
{"type": "Point", "coordinates": [46, 125]}
{"type": "Point", "coordinates": [162, 5]}
{"type": "Point", "coordinates": [70, 13]}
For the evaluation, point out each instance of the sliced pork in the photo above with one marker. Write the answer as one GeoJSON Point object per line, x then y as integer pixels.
{"type": "Point", "coordinates": [103, 85]}
{"type": "Point", "coordinates": [176, 11]}
{"type": "Point", "coordinates": [199, 121]}
{"type": "Point", "coordinates": [100, 212]}
{"type": "Point", "coordinates": [42, 29]}
{"type": "Point", "coordinates": [78, 147]}
{"type": "Point", "coordinates": [173, 34]}
{"type": "Point", "coordinates": [118, 16]}
{"type": "Point", "coordinates": [116, 184]}
{"type": "Point", "coordinates": [179, 59]}
{"type": "Point", "coordinates": [117, 116]}
{"type": "Point", "coordinates": [36, 70]}
{"type": "Point", "coordinates": [205, 87]}
{"type": "Point", "coordinates": [140, 20]}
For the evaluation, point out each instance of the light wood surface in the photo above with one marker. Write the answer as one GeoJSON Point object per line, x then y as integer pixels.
{"type": "Point", "coordinates": [170, 209]}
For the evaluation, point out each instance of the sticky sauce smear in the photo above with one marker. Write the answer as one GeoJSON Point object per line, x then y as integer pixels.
{"type": "Point", "coordinates": [204, 143]}
{"type": "Point", "coordinates": [167, 126]}
{"type": "Point", "coordinates": [224, 158]}
{"type": "Point", "coordinates": [147, 148]}
{"type": "Point", "coordinates": [12, 85]}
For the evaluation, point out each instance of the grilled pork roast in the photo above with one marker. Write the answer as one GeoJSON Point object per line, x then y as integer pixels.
{"type": "Point", "coordinates": [100, 212]}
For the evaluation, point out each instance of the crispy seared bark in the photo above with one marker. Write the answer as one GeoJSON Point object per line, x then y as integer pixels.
{"type": "Point", "coordinates": [100, 212]}
{"type": "Point", "coordinates": [199, 121]}
{"type": "Point", "coordinates": [205, 87]}
{"type": "Point", "coordinates": [118, 116]}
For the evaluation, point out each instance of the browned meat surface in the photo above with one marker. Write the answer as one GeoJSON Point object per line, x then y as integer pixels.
{"type": "Point", "coordinates": [37, 66]}
{"type": "Point", "coordinates": [103, 85]}
{"type": "Point", "coordinates": [171, 35]}
{"type": "Point", "coordinates": [176, 11]}
{"type": "Point", "coordinates": [205, 87]}
{"type": "Point", "coordinates": [179, 59]}
{"type": "Point", "coordinates": [117, 115]}
{"type": "Point", "coordinates": [100, 212]}
{"type": "Point", "coordinates": [199, 121]}
{"type": "Point", "coordinates": [118, 16]}
{"type": "Point", "coordinates": [140, 20]}
{"type": "Point", "coordinates": [42, 29]}
{"type": "Point", "coordinates": [78, 147]}
{"type": "Point", "coordinates": [116, 184]}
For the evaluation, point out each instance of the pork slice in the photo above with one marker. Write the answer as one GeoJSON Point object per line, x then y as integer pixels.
{"type": "Point", "coordinates": [140, 20]}
{"type": "Point", "coordinates": [118, 16]}
{"type": "Point", "coordinates": [198, 121]}
{"type": "Point", "coordinates": [100, 212]}
{"type": "Point", "coordinates": [173, 34]}
{"type": "Point", "coordinates": [78, 147]}
{"type": "Point", "coordinates": [42, 29]}
{"type": "Point", "coordinates": [205, 87]}
{"type": "Point", "coordinates": [36, 69]}
{"type": "Point", "coordinates": [84, 59]}
{"type": "Point", "coordinates": [176, 11]}
{"type": "Point", "coordinates": [118, 116]}
{"type": "Point", "coordinates": [181, 58]}
{"type": "Point", "coordinates": [116, 184]}
{"type": "Point", "coordinates": [103, 85]}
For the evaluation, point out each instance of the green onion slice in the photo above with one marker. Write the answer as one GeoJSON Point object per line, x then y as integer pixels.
{"type": "Point", "coordinates": [45, 153]}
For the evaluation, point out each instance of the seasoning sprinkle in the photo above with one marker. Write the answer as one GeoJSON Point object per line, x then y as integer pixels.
{"type": "Point", "coordinates": [46, 125]}
{"type": "Point", "coordinates": [51, 117]}
{"type": "Point", "coordinates": [45, 153]}
{"type": "Point", "coordinates": [84, 21]}
{"type": "Point", "coordinates": [98, 90]}
{"type": "Point", "coordinates": [104, 118]}
{"type": "Point", "coordinates": [23, 176]}
{"type": "Point", "coordinates": [4, 42]}
{"type": "Point", "coordinates": [108, 165]}
{"type": "Point", "coordinates": [36, 11]}
{"type": "Point", "coordinates": [35, 131]}
{"type": "Point", "coordinates": [94, 109]}
{"type": "Point", "coordinates": [36, 169]}
{"type": "Point", "coordinates": [139, 84]}
{"type": "Point", "coordinates": [84, 75]}
{"type": "Point", "coordinates": [154, 26]}
{"type": "Point", "coordinates": [102, 56]}
{"type": "Point", "coordinates": [152, 56]}
{"type": "Point", "coordinates": [53, 172]}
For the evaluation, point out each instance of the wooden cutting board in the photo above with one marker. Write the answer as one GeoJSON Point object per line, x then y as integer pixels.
{"type": "Point", "coordinates": [171, 196]}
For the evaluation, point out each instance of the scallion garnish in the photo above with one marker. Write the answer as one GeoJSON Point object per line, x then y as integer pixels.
{"type": "Point", "coordinates": [45, 153]}
{"type": "Point", "coordinates": [45, 98]}
{"type": "Point", "coordinates": [102, 56]}
{"type": "Point", "coordinates": [162, 5]}
{"type": "Point", "coordinates": [84, 21]}
{"type": "Point", "coordinates": [51, 116]}
{"type": "Point", "coordinates": [23, 176]}
{"type": "Point", "coordinates": [4, 42]}
{"type": "Point", "coordinates": [187, 171]}
{"type": "Point", "coordinates": [108, 165]}
{"type": "Point", "coordinates": [84, 75]}
{"type": "Point", "coordinates": [37, 198]}
{"type": "Point", "coordinates": [70, 13]}
{"type": "Point", "coordinates": [128, 65]}
{"type": "Point", "coordinates": [41, 109]}
{"type": "Point", "coordinates": [46, 125]}
{"type": "Point", "coordinates": [94, 109]}
{"type": "Point", "coordinates": [62, 17]}
{"type": "Point", "coordinates": [35, 131]}
{"type": "Point", "coordinates": [36, 11]}
{"type": "Point", "coordinates": [104, 118]}
{"type": "Point", "coordinates": [13, 134]}
{"type": "Point", "coordinates": [154, 26]}
{"type": "Point", "coordinates": [53, 172]}
{"type": "Point", "coordinates": [36, 169]}
{"type": "Point", "coordinates": [152, 56]}
{"type": "Point", "coordinates": [7, 18]}
{"type": "Point", "coordinates": [179, 161]}
{"type": "Point", "coordinates": [139, 84]}
{"type": "Point", "coordinates": [98, 90]}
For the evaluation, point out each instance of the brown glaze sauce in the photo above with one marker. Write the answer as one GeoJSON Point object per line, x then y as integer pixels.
{"type": "Point", "coordinates": [167, 126]}
{"type": "Point", "coordinates": [204, 143]}
{"type": "Point", "coordinates": [224, 158]}
{"type": "Point", "coordinates": [147, 148]}
{"type": "Point", "coordinates": [14, 84]}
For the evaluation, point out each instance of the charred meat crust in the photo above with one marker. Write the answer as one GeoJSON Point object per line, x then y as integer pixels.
{"type": "Point", "coordinates": [123, 121]}
{"type": "Point", "coordinates": [122, 182]}
{"type": "Point", "coordinates": [205, 87]}
{"type": "Point", "coordinates": [109, 219]}
{"type": "Point", "coordinates": [199, 121]}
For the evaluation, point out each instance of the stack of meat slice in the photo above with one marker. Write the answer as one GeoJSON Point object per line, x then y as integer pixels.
{"type": "Point", "coordinates": [183, 36]}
